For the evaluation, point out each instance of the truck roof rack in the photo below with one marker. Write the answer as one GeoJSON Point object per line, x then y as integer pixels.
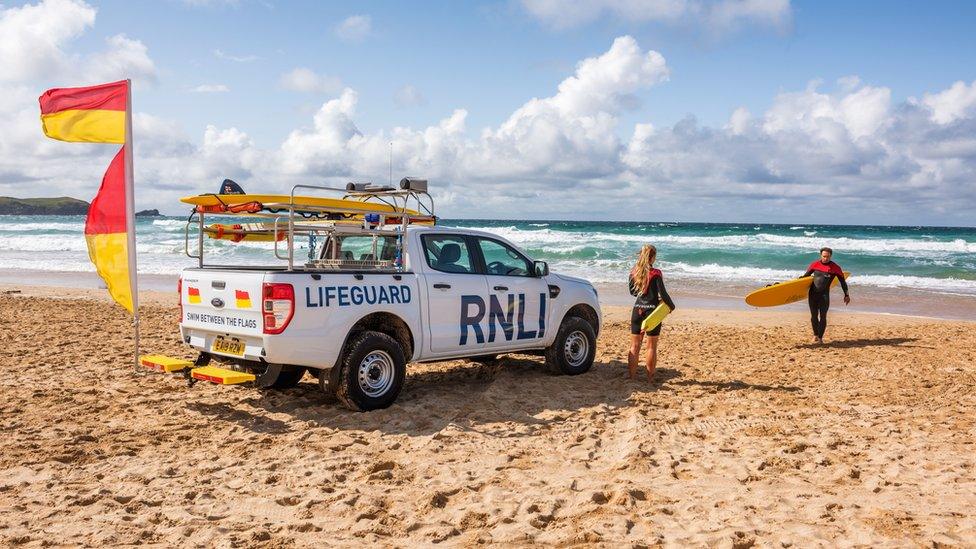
{"type": "Point", "coordinates": [363, 209]}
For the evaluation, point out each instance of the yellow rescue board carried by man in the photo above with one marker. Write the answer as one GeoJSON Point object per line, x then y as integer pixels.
{"type": "Point", "coordinates": [782, 293]}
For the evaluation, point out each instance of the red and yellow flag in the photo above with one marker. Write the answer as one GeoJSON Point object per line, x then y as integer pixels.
{"type": "Point", "coordinates": [98, 114]}
{"type": "Point", "coordinates": [94, 114]}
{"type": "Point", "coordinates": [106, 232]}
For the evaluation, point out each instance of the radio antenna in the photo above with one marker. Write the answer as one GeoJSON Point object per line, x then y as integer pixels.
{"type": "Point", "coordinates": [391, 163]}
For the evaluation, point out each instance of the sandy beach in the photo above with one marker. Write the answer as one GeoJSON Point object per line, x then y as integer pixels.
{"type": "Point", "coordinates": [752, 436]}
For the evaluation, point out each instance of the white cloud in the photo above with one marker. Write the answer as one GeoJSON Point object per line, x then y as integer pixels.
{"type": "Point", "coordinates": [220, 54]}
{"type": "Point", "coordinates": [210, 88]}
{"type": "Point", "coordinates": [740, 121]}
{"type": "Point", "coordinates": [572, 133]}
{"type": "Point", "coordinates": [32, 37]}
{"type": "Point", "coordinates": [566, 14]}
{"type": "Point", "coordinates": [858, 113]}
{"type": "Point", "coordinates": [306, 80]}
{"type": "Point", "coordinates": [715, 15]}
{"type": "Point", "coordinates": [122, 58]}
{"type": "Point", "coordinates": [354, 28]}
{"type": "Point", "coordinates": [34, 43]}
{"type": "Point", "coordinates": [729, 15]}
{"type": "Point", "coordinates": [949, 105]}
{"type": "Point", "coordinates": [575, 130]}
{"type": "Point", "coordinates": [843, 153]}
{"type": "Point", "coordinates": [409, 96]}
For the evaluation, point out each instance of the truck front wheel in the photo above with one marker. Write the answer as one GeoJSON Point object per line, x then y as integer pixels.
{"type": "Point", "coordinates": [574, 349]}
{"type": "Point", "coordinates": [371, 372]}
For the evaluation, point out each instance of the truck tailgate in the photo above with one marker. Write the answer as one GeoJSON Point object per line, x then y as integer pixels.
{"type": "Point", "coordinates": [224, 302]}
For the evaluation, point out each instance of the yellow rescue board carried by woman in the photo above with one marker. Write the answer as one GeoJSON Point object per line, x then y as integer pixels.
{"type": "Point", "coordinates": [656, 317]}
{"type": "Point", "coordinates": [782, 293]}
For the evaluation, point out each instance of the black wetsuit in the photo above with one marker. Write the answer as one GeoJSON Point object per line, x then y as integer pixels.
{"type": "Point", "coordinates": [647, 302]}
{"type": "Point", "coordinates": [819, 296]}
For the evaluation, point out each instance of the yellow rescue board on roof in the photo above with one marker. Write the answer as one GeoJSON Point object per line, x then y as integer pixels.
{"type": "Point", "coordinates": [163, 363]}
{"type": "Point", "coordinates": [221, 376]}
{"type": "Point", "coordinates": [281, 201]}
{"type": "Point", "coordinates": [782, 293]}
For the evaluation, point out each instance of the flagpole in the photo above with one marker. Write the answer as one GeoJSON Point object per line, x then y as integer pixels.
{"type": "Point", "coordinates": [130, 217]}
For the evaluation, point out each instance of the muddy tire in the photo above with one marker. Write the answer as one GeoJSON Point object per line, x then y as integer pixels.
{"type": "Point", "coordinates": [574, 349]}
{"type": "Point", "coordinates": [280, 377]}
{"type": "Point", "coordinates": [289, 378]}
{"type": "Point", "coordinates": [327, 384]}
{"type": "Point", "coordinates": [371, 372]}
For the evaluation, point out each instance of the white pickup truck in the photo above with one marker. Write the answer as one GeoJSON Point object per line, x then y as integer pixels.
{"type": "Point", "coordinates": [441, 294]}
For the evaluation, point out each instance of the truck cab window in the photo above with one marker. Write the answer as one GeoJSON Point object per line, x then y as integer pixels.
{"type": "Point", "coordinates": [359, 248]}
{"type": "Point", "coordinates": [503, 260]}
{"type": "Point", "coordinates": [447, 253]}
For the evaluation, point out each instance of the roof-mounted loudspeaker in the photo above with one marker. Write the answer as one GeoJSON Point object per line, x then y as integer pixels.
{"type": "Point", "coordinates": [414, 184]}
{"type": "Point", "coordinates": [357, 186]}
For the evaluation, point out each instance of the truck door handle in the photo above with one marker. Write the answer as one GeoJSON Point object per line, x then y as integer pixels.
{"type": "Point", "coordinates": [441, 286]}
{"type": "Point", "coordinates": [501, 288]}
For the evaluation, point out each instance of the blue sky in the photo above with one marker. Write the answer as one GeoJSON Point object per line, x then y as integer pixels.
{"type": "Point", "coordinates": [411, 65]}
{"type": "Point", "coordinates": [489, 57]}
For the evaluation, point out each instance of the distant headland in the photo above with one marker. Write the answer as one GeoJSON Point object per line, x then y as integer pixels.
{"type": "Point", "coordinates": [62, 205]}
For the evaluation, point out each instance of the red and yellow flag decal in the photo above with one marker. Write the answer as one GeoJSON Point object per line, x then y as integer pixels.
{"type": "Point", "coordinates": [243, 299]}
{"type": "Point", "coordinates": [105, 232]}
{"type": "Point", "coordinates": [94, 114]}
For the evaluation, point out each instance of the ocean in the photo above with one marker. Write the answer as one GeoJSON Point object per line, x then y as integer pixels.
{"type": "Point", "coordinates": [937, 262]}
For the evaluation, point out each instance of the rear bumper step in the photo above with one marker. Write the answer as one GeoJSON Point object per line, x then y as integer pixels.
{"type": "Point", "coordinates": [221, 376]}
{"type": "Point", "coordinates": [162, 363]}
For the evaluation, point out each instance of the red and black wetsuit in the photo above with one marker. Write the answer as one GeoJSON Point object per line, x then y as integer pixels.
{"type": "Point", "coordinates": [648, 301]}
{"type": "Point", "coordinates": [819, 296]}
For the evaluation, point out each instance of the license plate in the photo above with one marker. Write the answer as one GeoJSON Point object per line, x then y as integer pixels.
{"type": "Point", "coordinates": [228, 346]}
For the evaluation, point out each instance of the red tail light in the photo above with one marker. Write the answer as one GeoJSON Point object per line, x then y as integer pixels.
{"type": "Point", "coordinates": [277, 307]}
{"type": "Point", "coordinates": [179, 296]}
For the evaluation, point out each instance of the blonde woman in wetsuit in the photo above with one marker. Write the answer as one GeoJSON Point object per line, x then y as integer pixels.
{"type": "Point", "coordinates": [647, 284]}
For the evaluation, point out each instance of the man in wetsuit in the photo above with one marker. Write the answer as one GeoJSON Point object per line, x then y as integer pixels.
{"type": "Point", "coordinates": [823, 271]}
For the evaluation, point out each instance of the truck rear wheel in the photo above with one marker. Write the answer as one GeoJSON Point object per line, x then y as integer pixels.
{"type": "Point", "coordinates": [371, 372]}
{"type": "Point", "coordinates": [574, 349]}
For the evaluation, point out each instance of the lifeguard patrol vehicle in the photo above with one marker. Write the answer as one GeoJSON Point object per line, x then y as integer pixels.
{"type": "Point", "coordinates": [363, 285]}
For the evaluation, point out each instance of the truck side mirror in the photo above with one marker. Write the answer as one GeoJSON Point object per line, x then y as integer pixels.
{"type": "Point", "coordinates": [541, 268]}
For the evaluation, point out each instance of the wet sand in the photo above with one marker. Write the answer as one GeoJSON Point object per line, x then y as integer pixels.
{"type": "Point", "coordinates": [751, 435]}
